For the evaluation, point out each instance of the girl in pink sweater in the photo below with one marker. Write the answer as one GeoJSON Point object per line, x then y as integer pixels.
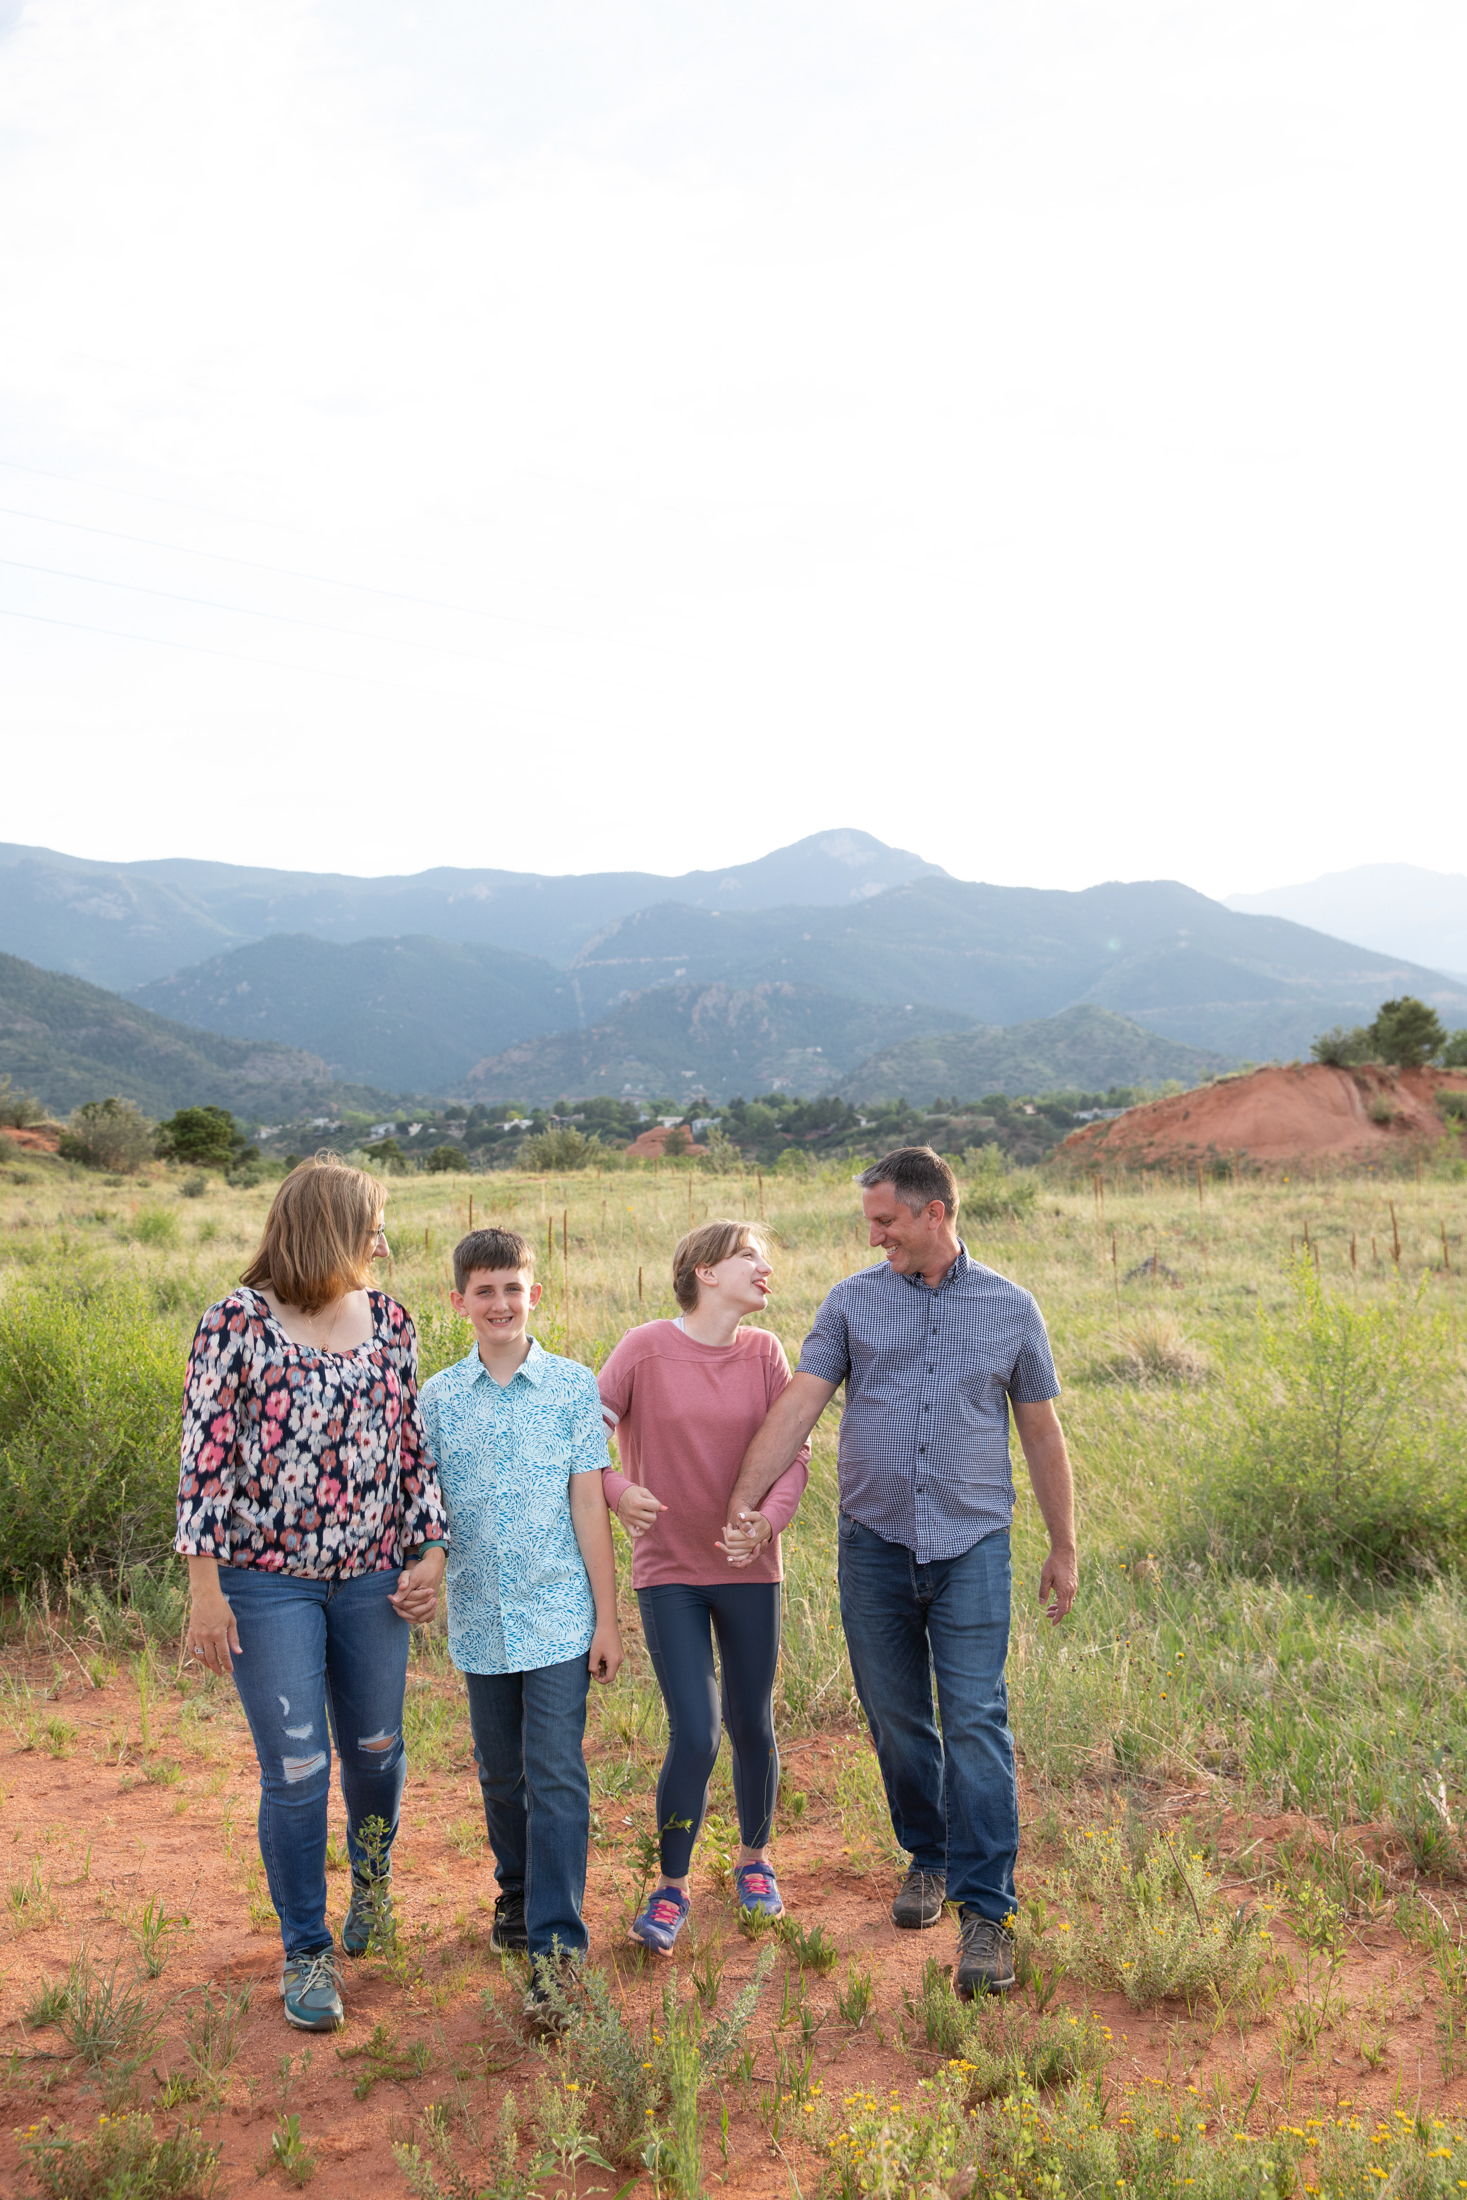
{"type": "Point", "coordinates": [683, 1399]}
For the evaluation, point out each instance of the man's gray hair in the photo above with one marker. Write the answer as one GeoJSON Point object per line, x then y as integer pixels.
{"type": "Point", "coordinates": [917, 1175]}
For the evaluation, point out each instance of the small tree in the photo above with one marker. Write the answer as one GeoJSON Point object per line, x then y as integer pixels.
{"type": "Point", "coordinates": [207, 1137]}
{"type": "Point", "coordinates": [679, 1141]}
{"type": "Point", "coordinates": [566, 1148]}
{"type": "Point", "coordinates": [388, 1155]}
{"type": "Point", "coordinates": [17, 1109]}
{"type": "Point", "coordinates": [108, 1134]}
{"type": "Point", "coordinates": [1454, 1054]}
{"type": "Point", "coordinates": [1406, 1032]}
{"type": "Point", "coordinates": [444, 1158]}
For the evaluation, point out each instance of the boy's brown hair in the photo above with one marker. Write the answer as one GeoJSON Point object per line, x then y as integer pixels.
{"type": "Point", "coordinates": [705, 1247]}
{"type": "Point", "coordinates": [319, 1234]}
{"type": "Point", "coordinates": [491, 1249]}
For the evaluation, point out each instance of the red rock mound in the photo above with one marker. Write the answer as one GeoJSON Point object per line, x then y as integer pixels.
{"type": "Point", "coordinates": [40, 1140]}
{"type": "Point", "coordinates": [1275, 1115]}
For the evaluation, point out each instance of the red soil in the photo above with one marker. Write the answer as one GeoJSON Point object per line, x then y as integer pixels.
{"type": "Point", "coordinates": [651, 1145]}
{"type": "Point", "coordinates": [105, 1841]}
{"type": "Point", "coordinates": [1277, 1115]}
{"type": "Point", "coordinates": [37, 1141]}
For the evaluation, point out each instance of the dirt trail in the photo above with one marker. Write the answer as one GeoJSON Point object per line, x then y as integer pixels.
{"type": "Point", "coordinates": [104, 1840]}
{"type": "Point", "coordinates": [1275, 1116]}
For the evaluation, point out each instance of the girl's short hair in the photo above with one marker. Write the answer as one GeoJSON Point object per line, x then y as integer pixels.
{"type": "Point", "coordinates": [705, 1247]}
{"type": "Point", "coordinates": [319, 1234]}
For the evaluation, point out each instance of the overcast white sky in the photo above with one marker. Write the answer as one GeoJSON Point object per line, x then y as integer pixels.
{"type": "Point", "coordinates": [576, 434]}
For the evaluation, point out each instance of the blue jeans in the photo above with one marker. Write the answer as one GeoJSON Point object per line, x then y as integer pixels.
{"type": "Point", "coordinates": [953, 1795]}
{"type": "Point", "coordinates": [527, 1730]}
{"type": "Point", "coordinates": [680, 1623]}
{"type": "Point", "coordinates": [313, 1652]}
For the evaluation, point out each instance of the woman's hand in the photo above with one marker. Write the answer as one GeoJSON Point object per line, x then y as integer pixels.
{"type": "Point", "coordinates": [744, 1538]}
{"type": "Point", "coordinates": [213, 1638]}
{"type": "Point", "coordinates": [637, 1510]}
{"type": "Point", "coordinates": [416, 1595]}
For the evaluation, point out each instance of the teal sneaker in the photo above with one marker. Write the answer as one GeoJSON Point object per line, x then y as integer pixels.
{"type": "Point", "coordinates": [370, 1909]}
{"type": "Point", "coordinates": [309, 1990]}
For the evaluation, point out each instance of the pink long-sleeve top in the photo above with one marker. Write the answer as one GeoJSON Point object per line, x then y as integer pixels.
{"type": "Point", "coordinates": [682, 1414]}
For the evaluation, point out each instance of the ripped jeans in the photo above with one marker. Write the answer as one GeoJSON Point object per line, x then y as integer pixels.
{"type": "Point", "coordinates": [312, 1651]}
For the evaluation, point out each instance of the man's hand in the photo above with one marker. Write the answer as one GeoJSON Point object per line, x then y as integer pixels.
{"type": "Point", "coordinates": [637, 1510]}
{"type": "Point", "coordinates": [605, 1654]}
{"type": "Point", "coordinates": [1059, 1578]}
{"type": "Point", "coordinates": [416, 1595]}
{"type": "Point", "coordinates": [743, 1538]}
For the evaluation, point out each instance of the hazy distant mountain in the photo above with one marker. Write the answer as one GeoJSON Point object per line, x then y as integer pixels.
{"type": "Point", "coordinates": [68, 1041]}
{"type": "Point", "coordinates": [1397, 908]}
{"type": "Point", "coordinates": [412, 1014]}
{"type": "Point", "coordinates": [123, 924]}
{"type": "Point", "coordinates": [1085, 1049]}
{"type": "Point", "coordinates": [716, 1039]}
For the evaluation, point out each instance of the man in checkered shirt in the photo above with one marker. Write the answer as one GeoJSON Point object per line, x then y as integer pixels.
{"type": "Point", "coordinates": [935, 1351]}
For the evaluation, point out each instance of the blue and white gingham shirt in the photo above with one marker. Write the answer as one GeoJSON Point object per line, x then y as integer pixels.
{"type": "Point", "coordinates": [929, 1373]}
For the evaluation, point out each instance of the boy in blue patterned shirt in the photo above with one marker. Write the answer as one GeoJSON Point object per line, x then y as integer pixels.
{"type": "Point", "coordinates": [520, 1444]}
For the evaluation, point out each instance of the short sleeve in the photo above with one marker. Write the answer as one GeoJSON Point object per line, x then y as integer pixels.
{"type": "Point", "coordinates": [588, 1449]}
{"type": "Point", "coordinates": [826, 1352]}
{"type": "Point", "coordinates": [614, 1383]}
{"type": "Point", "coordinates": [1033, 1378]}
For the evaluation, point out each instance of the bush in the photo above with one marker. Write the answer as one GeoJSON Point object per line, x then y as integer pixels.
{"type": "Point", "coordinates": [20, 1109]}
{"type": "Point", "coordinates": [1340, 1453]}
{"type": "Point", "coordinates": [559, 1150]}
{"type": "Point", "coordinates": [444, 1158]}
{"type": "Point", "coordinates": [122, 2155]}
{"type": "Point", "coordinates": [1454, 1054]}
{"type": "Point", "coordinates": [109, 1134]}
{"type": "Point", "coordinates": [155, 1226]}
{"type": "Point", "coordinates": [91, 1384]}
{"type": "Point", "coordinates": [994, 1188]}
{"type": "Point", "coordinates": [1342, 1049]}
{"type": "Point", "coordinates": [208, 1137]}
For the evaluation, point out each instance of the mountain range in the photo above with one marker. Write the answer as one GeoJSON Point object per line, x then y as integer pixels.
{"type": "Point", "coordinates": [833, 964]}
{"type": "Point", "coordinates": [1396, 908]}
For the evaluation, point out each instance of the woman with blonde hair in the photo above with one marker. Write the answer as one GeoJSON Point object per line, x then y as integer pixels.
{"type": "Point", "coordinates": [311, 1518]}
{"type": "Point", "coordinates": [684, 1398]}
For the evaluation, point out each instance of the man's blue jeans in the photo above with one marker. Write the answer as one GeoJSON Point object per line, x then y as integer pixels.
{"type": "Point", "coordinates": [313, 1652]}
{"type": "Point", "coordinates": [527, 1731]}
{"type": "Point", "coordinates": [953, 1795]}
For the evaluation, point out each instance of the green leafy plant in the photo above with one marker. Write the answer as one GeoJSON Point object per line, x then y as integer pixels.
{"type": "Point", "coordinates": [215, 2029]}
{"type": "Point", "coordinates": [122, 2158]}
{"type": "Point", "coordinates": [811, 1946]}
{"type": "Point", "coordinates": [383, 2058]}
{"type": "Point", "coordinates": [102, 2018]}
{"type": "Point", "coordinates": [109, 1134]}
{"type": "Point", "coordinates": [291, 2152]}
{"type": "Point", "coordinates": [152, 1929]}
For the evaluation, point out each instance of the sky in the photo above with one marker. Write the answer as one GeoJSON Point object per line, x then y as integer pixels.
{"type": "Point", "coordinates": [574, 437]}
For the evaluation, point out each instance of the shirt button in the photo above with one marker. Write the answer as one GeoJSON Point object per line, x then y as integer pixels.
{"type": "Point", "coordinates": [921, 1448]}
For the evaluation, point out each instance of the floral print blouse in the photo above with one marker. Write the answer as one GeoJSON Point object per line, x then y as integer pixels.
{"type": "Point", "coordinates": [302, 1461]}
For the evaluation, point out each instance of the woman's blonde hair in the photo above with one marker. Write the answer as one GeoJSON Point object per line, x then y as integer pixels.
{"type": "Point", "coordinates": [319, 1234]}
{"type": "Point", "coordinates": [705, 1247]}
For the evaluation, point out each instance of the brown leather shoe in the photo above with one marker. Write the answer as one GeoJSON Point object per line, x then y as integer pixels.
{"type": "Point", "coordinates": [985, 1957]}
{"type": "Point", "coordinates": [919, 1901]}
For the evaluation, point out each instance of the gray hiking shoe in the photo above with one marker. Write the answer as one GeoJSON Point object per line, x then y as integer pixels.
{"type": "Point", "coordinates": [919, 1901]}
{"type": "Point", "coordinates": [311, 1995]}
{"type": "Point", "coordinates": [369, 1909]}
{"type": "Point", "coordinates": [985, 1957]}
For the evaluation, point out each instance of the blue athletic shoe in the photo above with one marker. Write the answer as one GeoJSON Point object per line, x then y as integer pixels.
{"type": "Point", "coordinates": [666, 1914]}
{"type": "Point", "coordinates": [758, 1892]}
{"type": "Point", "coordinates": [311, 1995]}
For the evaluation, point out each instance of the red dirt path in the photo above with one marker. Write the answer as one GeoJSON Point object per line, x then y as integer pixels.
{"type": "Point", "coordinates": [106, 1840]}
{"type": "Point", "coordinates": [1276, 1115]}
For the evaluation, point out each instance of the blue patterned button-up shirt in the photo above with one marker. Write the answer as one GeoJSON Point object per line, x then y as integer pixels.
{"type": "Point", "coordinates": [518, 1596]}
{"type": "Point", "coordinates": [929, 1373]}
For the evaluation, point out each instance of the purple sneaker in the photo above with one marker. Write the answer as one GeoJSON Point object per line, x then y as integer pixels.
{"type": "Point", "coordinates": [758, 1892]}
{"type": "Point", "coordinates": [666, 1914]}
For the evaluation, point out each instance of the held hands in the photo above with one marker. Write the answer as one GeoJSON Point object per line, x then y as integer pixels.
{"type": "Point", "coordinates": [744, 1537]}
{"type": "Point", "coordinates": [1059, 1581]}
{"type": "Point", "coordinates": [605, 1654]}
{"type": "Point", "coordinates": [213, 1638]}
{"type": "Point", "coordinates": [638, 1509]}
{"type": "Point", "coordinates": [416, 1595]}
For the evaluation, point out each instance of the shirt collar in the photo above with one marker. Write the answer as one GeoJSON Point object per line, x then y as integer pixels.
{"type": "Point", "coordinates": [532, 1367]}
{"type": "Point", "coordinates": [960, 1267]}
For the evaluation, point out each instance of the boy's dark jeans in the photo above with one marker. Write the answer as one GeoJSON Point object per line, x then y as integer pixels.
{"type": "Point", "coordinates": [527, 1730]}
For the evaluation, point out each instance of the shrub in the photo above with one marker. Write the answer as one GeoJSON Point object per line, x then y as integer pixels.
{"type": "Point", "coordinates": [18, 1109]}
{"type": "Point", "coordinates": [123, 2155]}
{"type": "Point", "coordinates": [560, 1149]}
{"type": "Point", "coordinates": [90, 1386]}
{"type": "Point", "coordinates": [109, 1134]}
{"type": "Point", "coordinates": [994, 1187]}
{"type": "Point", "coordinates": [208, 1137]}
{"type": "Point", "coordinates": [1342, 1048]}
{"type": "Point", "coordinates": [1406, 1032]}
{"type": "Point", "coordinates": [1339, 1453]}
{"type": "Point", "coordinates": [444, 1158]}
{"type": "Point", "coordinates": [1155, 1349]}
{"type": "Point", "coordinates": [1454, 1054]}
{"type": "Point", "coordinates": [155, 1226]}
